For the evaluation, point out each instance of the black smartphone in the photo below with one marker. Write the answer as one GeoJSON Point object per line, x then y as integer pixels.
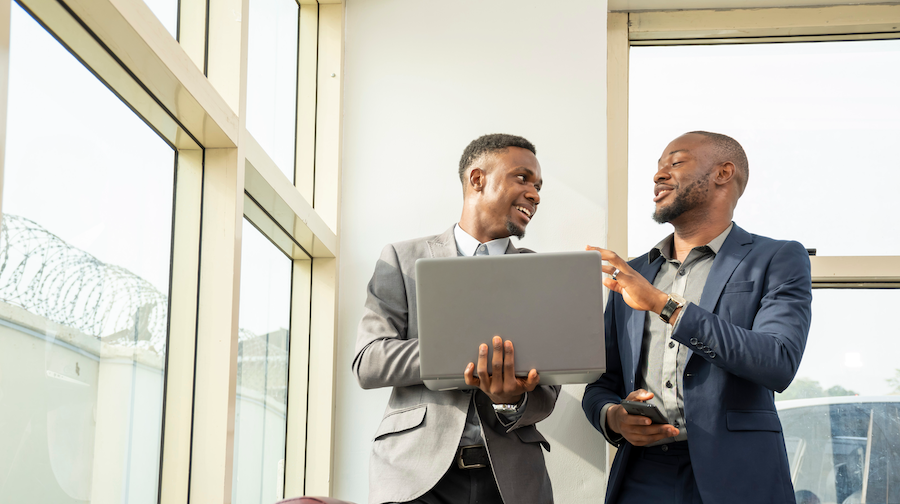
{"type": "Point", "coordinates": [645, 409]}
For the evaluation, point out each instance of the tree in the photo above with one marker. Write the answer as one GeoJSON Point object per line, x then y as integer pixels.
{"type": "Point", "coordinates": [895, 382]}
{"type": "Point", "coordinates": [806, 388]}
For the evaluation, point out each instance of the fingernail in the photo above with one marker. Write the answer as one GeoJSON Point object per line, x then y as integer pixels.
{"type": "Point", "coordinates": [482, 349]}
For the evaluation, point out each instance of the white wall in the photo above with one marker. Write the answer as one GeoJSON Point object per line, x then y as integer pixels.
{"type": "Point", "coordinates": [421, 80]}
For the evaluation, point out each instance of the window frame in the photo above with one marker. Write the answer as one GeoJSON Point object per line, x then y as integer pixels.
{"type": "Point", "coordinates": [737, 26]}
{"type": "Point", "coordinates": [193, 94]}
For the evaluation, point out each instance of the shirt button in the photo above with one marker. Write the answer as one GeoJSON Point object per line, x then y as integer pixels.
{"type": "Point", "coordinates": [682, 272]}
{"type": "Point", "coordinates": [668, 384]}
{"type": "Point", "coordinates": [675, 424]}
{"type": "Point", "coordinates": [664, 448]}
{"type": "Point", "coordinates": [671, 344]}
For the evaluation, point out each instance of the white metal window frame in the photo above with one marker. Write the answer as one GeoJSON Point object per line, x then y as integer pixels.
{"type": "Point", "coordinates": [737, 26]}
{"type": "Point", "coordinates": [193, 93]}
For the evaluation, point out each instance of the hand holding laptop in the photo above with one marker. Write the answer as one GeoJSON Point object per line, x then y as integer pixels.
{"type": "Point", "coordinates": [502, 385]}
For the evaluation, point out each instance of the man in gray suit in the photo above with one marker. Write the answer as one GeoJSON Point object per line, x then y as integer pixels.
{"type": "Point", "coordinates": [477, 445]}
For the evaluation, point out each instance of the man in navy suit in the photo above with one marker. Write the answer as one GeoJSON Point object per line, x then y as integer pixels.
{"type": "Point", "coordinates": [704, 327]}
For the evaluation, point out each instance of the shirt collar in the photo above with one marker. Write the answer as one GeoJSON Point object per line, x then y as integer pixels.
{"type": "Point", "coordinates": [466, 244]}
{"type": "Point", "coordinates": [664, 247]}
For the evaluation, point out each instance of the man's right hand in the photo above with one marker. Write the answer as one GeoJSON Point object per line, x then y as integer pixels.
{"type": "Point", "coordinates": [637, 430]}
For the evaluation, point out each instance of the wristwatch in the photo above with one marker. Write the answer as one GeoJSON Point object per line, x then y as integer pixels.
{"type": "Point", "coordinates": [509, 409]}
{"type": "Point", "coordinates": [505, 409]}
{"type": "Point", "coordinates": [675, 302]}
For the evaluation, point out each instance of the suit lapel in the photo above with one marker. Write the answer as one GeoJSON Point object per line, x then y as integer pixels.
{"type": "Point", "coordinates": [733, 251]}
{"type": "Point", "coordinates": [443, 245]}
{"type": "Point", "coordinates": [737, 245]}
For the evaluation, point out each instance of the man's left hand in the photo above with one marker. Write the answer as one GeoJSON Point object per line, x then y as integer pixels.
{"type": "Point", "coordinates": [637, 292]}
{"type": "Point", "coordinates": [502, 386]}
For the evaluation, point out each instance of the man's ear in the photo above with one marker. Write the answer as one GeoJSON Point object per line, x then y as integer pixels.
{"type": "Point", "coordinates": [477, 179]}
{"type": "Point", "coordinates": [725, 173]}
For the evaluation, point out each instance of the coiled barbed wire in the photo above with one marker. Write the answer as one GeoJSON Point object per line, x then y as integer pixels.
{"type": "Point", "coordinates": [43, 274]}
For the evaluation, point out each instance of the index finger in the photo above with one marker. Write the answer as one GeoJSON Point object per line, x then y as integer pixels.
{"type": "Point", "coordinates": [609, 256]}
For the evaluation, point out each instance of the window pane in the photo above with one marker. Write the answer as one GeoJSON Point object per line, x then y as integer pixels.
{"type": "Point", "coordinates": [261, 403]}
{"type": "Point", "coordinates": [851, 349]}
{"type": "Point", "coordinates": [167, 13]}
{"type": "Point", "coordinates": [819, 122]}
{"type": "Point", "coordinates": [272, 79]}
{"type": "Point", "coordinates": [84, 277]}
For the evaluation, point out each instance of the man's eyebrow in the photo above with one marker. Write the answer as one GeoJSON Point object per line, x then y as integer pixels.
{"type": "Point", "coordinates": [673, 152]}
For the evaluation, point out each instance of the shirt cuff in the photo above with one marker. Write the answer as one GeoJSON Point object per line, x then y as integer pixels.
{"type": "Point", "coordinates": [614, 438]}
{"type": "Point", "coordinates": [507, 420]}
{"type": "Point", "coordinates": [681, 315]}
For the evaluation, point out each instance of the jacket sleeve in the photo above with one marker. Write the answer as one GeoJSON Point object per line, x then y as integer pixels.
{"type": "Point", "coordinates": [385, 356]}
{"type": "Point", "coordinates": [610, 387]}
{"type": "Point", "coordinates": [769, 352]}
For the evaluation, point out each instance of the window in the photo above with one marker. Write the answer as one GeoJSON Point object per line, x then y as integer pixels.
{"type": "Point", "coordinates": [84, 281]}
{"type": "Point", "coordinates": [124, 190]}
{"type": "Point", "coordinates": [817, 121]}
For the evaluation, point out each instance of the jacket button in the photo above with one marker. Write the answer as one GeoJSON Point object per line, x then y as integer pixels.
{"type": "Point", "coordinates": [712, 355]}
{"type": "Point", "coordinates": [694, 341]}
{"type": "Point", "coordinates": [664, 448]}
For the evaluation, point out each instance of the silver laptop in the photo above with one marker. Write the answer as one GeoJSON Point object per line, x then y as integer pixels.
{"type": "Point", "coordinates": [549, 305]}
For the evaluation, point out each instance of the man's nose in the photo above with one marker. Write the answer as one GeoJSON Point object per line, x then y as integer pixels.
{"type": "Point", "coordinates": [534, 196]}
{"type": "Point", "coordinates": [661, 174]}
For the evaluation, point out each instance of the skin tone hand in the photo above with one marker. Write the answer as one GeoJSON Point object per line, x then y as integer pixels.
{"type": "Point", "coordinates": [637, 292]}
{"type": "Point", "coordinates": [502, 386]}
{"type": "Point", "coordinates": [637, 430]}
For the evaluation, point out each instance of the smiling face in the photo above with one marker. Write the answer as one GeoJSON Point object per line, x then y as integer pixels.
{"type": "Point", "coordinates": [506, 193]}
{"type": "Point", "coordinates": [682, 180]}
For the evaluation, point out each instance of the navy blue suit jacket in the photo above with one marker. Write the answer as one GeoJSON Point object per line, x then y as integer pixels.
{"type": "Point", "coordinates": [745, 340]}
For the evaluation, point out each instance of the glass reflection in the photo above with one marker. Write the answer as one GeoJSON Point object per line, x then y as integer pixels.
{"type": "Point", "coordinates": [84, 276]}
{"type": "Point", "coordinates": [261, 402]}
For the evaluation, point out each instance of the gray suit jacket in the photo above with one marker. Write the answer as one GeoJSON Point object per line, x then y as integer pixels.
{"type": "Point", "coordinates": [420, 432]}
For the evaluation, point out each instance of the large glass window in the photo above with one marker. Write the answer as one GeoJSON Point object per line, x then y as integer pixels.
{"type": "Point", "coordinates": [272, 79]}
{"type": "Point", "coordinates": [263, 342]}
{"type": "Point", "coordinates": [84, 279]}
{"type": "Point", "coordinates": [818, 121]}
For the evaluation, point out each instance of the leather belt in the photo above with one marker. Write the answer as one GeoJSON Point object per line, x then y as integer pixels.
{"type": "Point", "coordinates": [472, 457]}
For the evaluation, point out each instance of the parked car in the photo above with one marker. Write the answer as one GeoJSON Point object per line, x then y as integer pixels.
{"type": "Point", "coordinates": [843, 450]}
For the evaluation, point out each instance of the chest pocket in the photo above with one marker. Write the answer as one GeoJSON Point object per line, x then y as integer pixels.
{"type": "Point", "coordinates": [739, 287]}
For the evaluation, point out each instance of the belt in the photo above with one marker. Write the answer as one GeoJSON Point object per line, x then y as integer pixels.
{"type": "Point", "coordinates": [472, 457]}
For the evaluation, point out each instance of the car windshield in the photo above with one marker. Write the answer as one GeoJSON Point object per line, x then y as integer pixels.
{"type": "Point", "coordinates": [843, 451]}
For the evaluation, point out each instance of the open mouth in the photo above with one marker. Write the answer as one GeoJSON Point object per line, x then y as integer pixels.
{"type": "Point", "coordinates": [527, 212]}
{"type": "Point", "coordinates": [661, 192]}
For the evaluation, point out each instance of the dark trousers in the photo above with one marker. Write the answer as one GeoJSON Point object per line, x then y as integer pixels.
{"type": "Point", "coordinates": [659, 474]}
{"type": "Point", "coordinates": [463, 486]}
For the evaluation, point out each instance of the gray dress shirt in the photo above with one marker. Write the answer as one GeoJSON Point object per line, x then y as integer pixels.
{"type": "Point", "coordinates": [467, 245]}
{"type": "Point", "coordinates": [663, 359]}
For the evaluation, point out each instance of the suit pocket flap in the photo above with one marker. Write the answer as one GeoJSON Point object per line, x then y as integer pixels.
{"type": "Point", "coordinates": [739, 286]}
{"type": "Point", "coordinates": [530, 434]}
{"type": "Point", "coordinates": [401, 420]}
{"type": "Point", "coordinates": [752, 420]}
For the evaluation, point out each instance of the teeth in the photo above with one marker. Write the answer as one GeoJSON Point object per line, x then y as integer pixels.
{"type": "Point", "coordinates": [524, 210]}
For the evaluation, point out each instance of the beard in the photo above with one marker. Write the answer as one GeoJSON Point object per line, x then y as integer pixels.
{"type": "Point", "coordinates": [515, 229]}
{"type": "Point", "coordinates": [693, 194]}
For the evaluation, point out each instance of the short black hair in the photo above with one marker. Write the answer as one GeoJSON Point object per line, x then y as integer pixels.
{"type": "Point", "coordinates": [485, 144]}
{"type": "Point", "coordinates": [728, 149]}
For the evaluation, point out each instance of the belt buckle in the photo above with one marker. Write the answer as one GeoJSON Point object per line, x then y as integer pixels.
{"type": "Point", "coordinates": [459, 458]}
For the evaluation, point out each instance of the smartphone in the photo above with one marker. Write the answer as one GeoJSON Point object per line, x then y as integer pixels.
{"type": "Point", "coordinates": [645, 409]}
